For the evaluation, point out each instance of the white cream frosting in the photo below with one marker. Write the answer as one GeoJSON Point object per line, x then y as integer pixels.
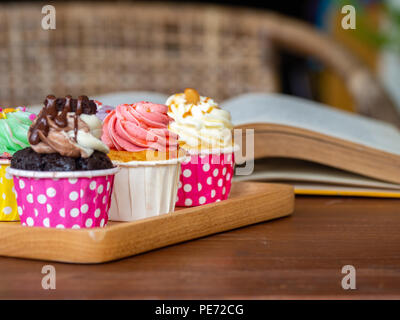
{"type": "Point", "coordinates": [89, 141]}
{"type": "Point", "coordinates": [203, 124]}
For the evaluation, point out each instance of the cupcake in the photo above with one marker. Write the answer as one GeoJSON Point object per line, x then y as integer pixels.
{"type": "Point", "coordinates": [148, 156]}
{"type": "Point", "coordinates": [205, 132]}
{"type": "Point", "coordinates": [65, 179]}
{"type": "Point", "coordinates": [14, 125]}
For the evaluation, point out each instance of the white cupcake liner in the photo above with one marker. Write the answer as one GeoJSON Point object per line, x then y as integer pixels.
{"type": "Point", "coordinates": [145, 189]}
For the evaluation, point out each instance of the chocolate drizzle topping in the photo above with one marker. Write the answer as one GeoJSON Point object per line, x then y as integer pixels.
{"type": "Point", "coordinates": [57, 109]}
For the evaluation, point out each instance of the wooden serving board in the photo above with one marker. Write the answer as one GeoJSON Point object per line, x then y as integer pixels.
{"type": "Point", "coordinates": [249, 203]}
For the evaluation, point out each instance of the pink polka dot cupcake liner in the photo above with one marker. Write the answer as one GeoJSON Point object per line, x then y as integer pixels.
{"type": "Point", "coordinates": [205, 178]}
{"type": "Point", "coordinates": [71, 200]}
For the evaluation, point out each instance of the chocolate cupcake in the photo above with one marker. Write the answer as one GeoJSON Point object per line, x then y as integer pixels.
{"type": "Point", "coordinates": [65, 178]}
{"type": "Point", "coordinates": [28, 159]}
{"type": "Point", "coordinates": [65, 132]}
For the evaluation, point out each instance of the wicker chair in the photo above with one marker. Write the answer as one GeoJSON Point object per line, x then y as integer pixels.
{"type": "Point", "coordinates": [106, 47]}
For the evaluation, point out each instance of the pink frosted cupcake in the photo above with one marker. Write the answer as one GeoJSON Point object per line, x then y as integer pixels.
{"type": "Point", "coordinates": [65, 179]}
{"type": "Point", "coordinates": [149, 159]}
{"type": "Point", "coordinates": [205, 132]}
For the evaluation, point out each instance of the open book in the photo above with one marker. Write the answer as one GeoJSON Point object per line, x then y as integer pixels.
{"type": "Point", "coordinates": [318, 149]}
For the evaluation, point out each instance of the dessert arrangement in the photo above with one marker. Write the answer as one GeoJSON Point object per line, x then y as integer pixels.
{"type": "Point", "coordinates": [79, 164]}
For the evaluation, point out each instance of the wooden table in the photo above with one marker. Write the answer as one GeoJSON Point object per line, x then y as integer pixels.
{"type": "Point", "coordinates": [296, 257]}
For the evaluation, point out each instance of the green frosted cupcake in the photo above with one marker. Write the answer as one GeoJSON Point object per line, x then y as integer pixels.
{"type": "Point", "coordinates": [14, 125]}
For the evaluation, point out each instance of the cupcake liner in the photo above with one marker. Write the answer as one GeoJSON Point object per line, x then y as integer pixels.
{"type": "Point", "coordinates": [76, 199]}
{"type": "Point", "coordinates": [8, 202]}
{"type": "Point", "coordinates": [144, 189]}
{"type": "Point", "coordinates": [206, 177]}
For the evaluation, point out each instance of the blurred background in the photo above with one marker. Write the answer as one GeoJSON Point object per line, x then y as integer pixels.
{"type": "Point", "coordinates": [222, 48]}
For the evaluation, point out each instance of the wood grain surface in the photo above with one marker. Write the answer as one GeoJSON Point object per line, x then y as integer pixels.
{"type": "Point", "coordinates": [300, 256]}
{"type": "Point", "coordinates": [248, 203]}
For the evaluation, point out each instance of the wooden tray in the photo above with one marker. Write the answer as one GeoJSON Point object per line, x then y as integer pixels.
{"type": "Point", "coordinates": [249, 203]}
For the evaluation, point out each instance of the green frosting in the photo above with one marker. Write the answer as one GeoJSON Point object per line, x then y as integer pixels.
{"type": "Point", "coordinates": [14, 131]}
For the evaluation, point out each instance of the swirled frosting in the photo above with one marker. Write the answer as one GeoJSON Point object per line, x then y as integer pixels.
{"type": "Point", "coordinates": [67, 126]}
{"type": "Point", "coordinates": [198, 120]}
{"type": "Point", "coordinates": [139, 126]}
{"type": "Point", "coordinates": [14, 126]}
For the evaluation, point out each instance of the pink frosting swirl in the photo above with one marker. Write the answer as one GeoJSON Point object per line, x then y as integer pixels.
{"type": "Point", "coordinates": [139, 126]}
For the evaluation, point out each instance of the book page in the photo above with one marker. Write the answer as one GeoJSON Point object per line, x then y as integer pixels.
{"type": "Point", "coordinates": [305, 114]}
{"type": "Point", "coordinates": [344, 191]}
{"type": "Point", "coordinates": [300, 171]}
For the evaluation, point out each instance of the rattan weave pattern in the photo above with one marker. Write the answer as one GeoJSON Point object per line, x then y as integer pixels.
{"type": "Point", "coordinates": [105, 47]}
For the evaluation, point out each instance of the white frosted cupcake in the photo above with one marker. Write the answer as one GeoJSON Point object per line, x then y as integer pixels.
{"type": "Point", "coordinates": [205, 132]}
{"type": "Point", "coordinates": [200, 123]}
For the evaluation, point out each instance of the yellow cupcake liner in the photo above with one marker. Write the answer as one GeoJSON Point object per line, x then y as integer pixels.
{"type": "Point", "coordinates": [8, 201]}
